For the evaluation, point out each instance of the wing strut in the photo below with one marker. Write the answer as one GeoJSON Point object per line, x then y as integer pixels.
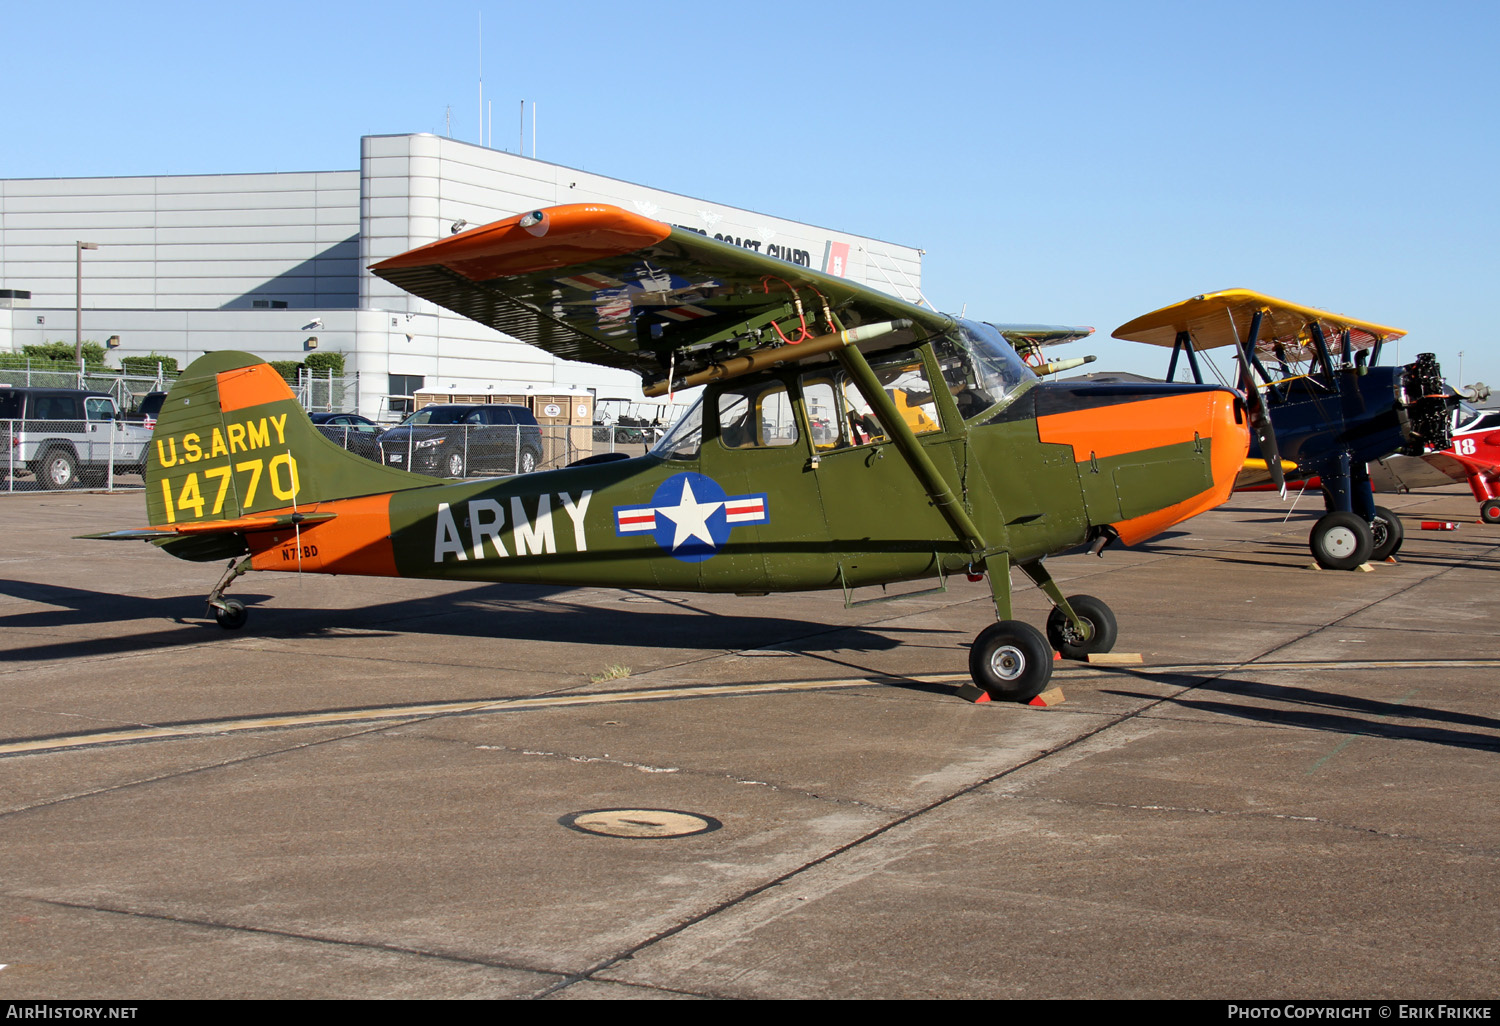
{"type": "Point", "coordinates": [911, 450]}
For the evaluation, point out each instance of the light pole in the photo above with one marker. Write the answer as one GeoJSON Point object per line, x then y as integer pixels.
{"type": "Point", "coordinates": [78, 312]}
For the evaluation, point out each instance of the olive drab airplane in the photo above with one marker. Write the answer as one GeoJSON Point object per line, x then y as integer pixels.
{"type": "Point", "coordinates": [844, 438]}
{"type": "Point", "coordinates": [1316, 418]}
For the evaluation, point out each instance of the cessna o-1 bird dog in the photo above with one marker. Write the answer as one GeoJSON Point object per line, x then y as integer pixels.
{"type": "Point", "coordinates": [936, 451]}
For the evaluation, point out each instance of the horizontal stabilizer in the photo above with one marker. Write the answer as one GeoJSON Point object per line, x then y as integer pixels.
{"type": "Point", "coordinates": [241, 525]}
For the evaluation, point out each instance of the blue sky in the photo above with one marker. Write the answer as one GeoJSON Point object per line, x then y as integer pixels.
{"type": "Point", "coordinates": [1073, 163]}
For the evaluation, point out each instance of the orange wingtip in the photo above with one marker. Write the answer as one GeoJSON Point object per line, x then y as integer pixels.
{"type": "Point", "coordinates": [539, 240]}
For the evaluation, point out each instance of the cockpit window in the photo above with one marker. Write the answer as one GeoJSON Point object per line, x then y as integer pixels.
{"type": "Point", "coordinates": [979, 367]}
{"type": "Point", "coordinates": [904, 378]}
{"type": "Point", "coordinates": [683, 440]}
{"type": "Point", "coordinates": [756, 416]}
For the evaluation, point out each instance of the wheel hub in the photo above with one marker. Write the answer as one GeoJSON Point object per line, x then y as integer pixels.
{"type": "Point", "coordinates": [1340, 542]}
{"type": "Point", "coordinates": [1008, 662]}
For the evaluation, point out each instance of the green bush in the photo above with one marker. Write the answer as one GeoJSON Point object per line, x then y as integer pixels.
{"type": "Point", "coordinates": [145, 366]}
{"type": "Point", "coordinates": [322, 363]}
{"type": "Point", "coordinates": [287, 369]}
{"type": "Point", "coordinates": [93, 352]}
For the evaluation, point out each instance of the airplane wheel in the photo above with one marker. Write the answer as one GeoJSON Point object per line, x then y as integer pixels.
{"type": "Point", "coordinates": [1386, 533]}
{"type": "Point", "coordinates": [1011, 661]}
{"type": "Point", "coordinates": [1489, 511]}
{"type": "Point", "coordinates": [231, 615]}
{"type": "Point", "coordinates": [1068, 640]}
{"type": "Point", "coordinates": [455, 464]}
{"type": "Point", "coordinates": [1341, 541]}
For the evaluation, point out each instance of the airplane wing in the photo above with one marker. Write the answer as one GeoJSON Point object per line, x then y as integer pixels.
{"type": "Point", "coordinates": [593, 282]}
{"type": "Point", "coordinates": [1223, 319]}
{"type": "Point", "coordinates": [1042, 334]}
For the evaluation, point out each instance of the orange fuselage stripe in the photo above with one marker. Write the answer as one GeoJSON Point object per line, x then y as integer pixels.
{"type": "Point", "coordinates": [357, 541]}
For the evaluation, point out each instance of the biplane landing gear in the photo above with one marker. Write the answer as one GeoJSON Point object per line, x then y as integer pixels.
{"type": "Point", "coordinates": [1011, 661]}
{"type": "Point", "coordinates": [1075, 643]}
{"type": "Point", "coordinates": [1489, 512]}
{"type": "Point", "coordinates": [1341, 541]}
{"type": "Point", "coordinates": [229, 614]}
{"type": "Point", "coordinates": [1386, 533]}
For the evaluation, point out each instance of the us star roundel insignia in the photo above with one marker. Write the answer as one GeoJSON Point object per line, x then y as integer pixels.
{"type": "Point", "coordinates": [691, 517]}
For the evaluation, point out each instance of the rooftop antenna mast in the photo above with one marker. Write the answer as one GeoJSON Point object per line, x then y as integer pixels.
{"type": "Point", "coordinates": [481, 77]}
{"type": "Point", "coordinates": [521, 134]}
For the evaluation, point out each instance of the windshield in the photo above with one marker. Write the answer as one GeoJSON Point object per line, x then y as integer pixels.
{"type": "Point", "coordinates": [979, 366]}
{"type": "Point", "coordinates": [685, 438]}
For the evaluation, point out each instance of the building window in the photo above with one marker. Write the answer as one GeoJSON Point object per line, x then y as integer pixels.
{"type": "Point", "coordinates": [402, 388]}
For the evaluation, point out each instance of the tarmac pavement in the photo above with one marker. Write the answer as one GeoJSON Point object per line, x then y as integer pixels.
{"type": "Point", "coordinates": [370, 790]}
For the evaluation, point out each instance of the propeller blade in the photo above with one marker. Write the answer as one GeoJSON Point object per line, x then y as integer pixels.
{"type": "Point", "coordinates": [1260, 423]}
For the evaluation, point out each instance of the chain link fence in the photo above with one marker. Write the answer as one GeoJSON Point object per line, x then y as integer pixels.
{"type": "Point", "coordinates": [67, 455]}
{"type": "Point", "coordinates": [483, 450]}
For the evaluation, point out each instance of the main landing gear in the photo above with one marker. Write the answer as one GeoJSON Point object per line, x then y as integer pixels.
{"type": "Point", "coordinates": [230, 614]}
{"type": "Point", "coordinates": [1012, 660]}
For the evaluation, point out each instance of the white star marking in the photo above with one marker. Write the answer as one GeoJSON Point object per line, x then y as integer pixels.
{"type": "Point", "coordinates": [690, 516]}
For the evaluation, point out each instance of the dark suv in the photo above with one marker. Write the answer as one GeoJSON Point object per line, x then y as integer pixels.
{"type": "Point", "coordinates": [459, 441]}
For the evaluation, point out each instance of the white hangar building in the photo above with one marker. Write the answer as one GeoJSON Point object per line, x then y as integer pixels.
{"type": "Point", "coordinates": [264, 262]}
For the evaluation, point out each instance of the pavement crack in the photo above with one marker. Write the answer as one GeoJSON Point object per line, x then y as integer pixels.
{"type": "Point", "coordinates": [295, 935]}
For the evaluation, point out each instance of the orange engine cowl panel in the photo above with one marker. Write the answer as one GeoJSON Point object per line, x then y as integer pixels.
{"type": "Point", "coordinates": [1112, 431]}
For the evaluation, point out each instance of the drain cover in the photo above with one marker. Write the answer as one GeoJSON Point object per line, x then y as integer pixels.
{"type": "Point", "coordinates": [650, 823]}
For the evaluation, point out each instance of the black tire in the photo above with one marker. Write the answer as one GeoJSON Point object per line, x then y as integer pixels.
{"type": "Point", "coordinates": [528, 461]}
{"type": "Point", "coordinates": [1011, 661]}
{"type": "Point", "coordinates": [1489, 512]}
{"type": "Point", "coordinates": [1341, 541]}
{"type": "Point", "coordinates": [231, 615]}
{"type": "Point", "coordinates": [455, 464]}
{"type": "Point", "coordinates": [1386, 534]}
{"type": "Point", "coordinates": [1067, 640]}
{"type": "Point", "coordinates": [58, 469]}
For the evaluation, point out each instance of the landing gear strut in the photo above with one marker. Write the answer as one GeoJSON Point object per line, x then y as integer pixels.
{"type": "Point", "coordinates": [1011, 660]}
{"type": "Point", "coordinates": [230, 614]}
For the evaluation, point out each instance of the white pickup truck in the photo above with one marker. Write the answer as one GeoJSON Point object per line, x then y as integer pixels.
{"type": "Point", "coordinates": [68, 436]}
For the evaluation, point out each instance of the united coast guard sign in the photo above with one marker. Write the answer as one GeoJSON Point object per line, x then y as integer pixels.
{"type": "Point", "coordinates": [691, 517]}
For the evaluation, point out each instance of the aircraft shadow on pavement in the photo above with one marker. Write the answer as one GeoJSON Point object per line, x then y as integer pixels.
{"type": "Point", "coordinates": [1328, 711]}
{"type": "Point", "coordinates": [515, 611]}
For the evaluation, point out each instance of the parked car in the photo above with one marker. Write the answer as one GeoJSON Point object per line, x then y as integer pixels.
{"type": "Point", "coordinates": [463, 441]}
{"type": "Point", "coordinates": [359, 435]}
{"type": "Point", "coordinates": [67, 435]}
{"type": "Point", "coordinates": [147, 411]}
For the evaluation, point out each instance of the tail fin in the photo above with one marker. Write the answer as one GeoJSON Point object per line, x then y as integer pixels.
{"type": "Point", "coordinates": [232, 441]}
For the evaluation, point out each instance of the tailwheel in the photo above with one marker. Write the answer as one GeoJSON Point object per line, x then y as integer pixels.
{"type": "Point", "coordinates": [1011, 661]}
{"type": "Point", "coordinates": [231, 615]}
{"type": "Point", "coordinates": [1341, 541]}
{"type": "Point", "coordinates": [1386, 533]}
{"type": "Point", "coordinates": [1489, 511]}
{"type": "Point", "coordinates": [1072, 643]}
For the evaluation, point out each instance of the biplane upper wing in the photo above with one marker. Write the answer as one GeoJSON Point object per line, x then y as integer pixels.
{"type": "Point", "coordinates": [596, 283]}
{"type": "Point", "coordinates": [1223, 318]}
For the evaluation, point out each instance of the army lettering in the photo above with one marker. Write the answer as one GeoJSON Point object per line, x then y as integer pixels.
{"type": "Point", "coordinates": [478, 535]}
{"type": "Point", "coordinates": [279, 475]}
{"type": "Point", "coordinates": [244, 436]}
